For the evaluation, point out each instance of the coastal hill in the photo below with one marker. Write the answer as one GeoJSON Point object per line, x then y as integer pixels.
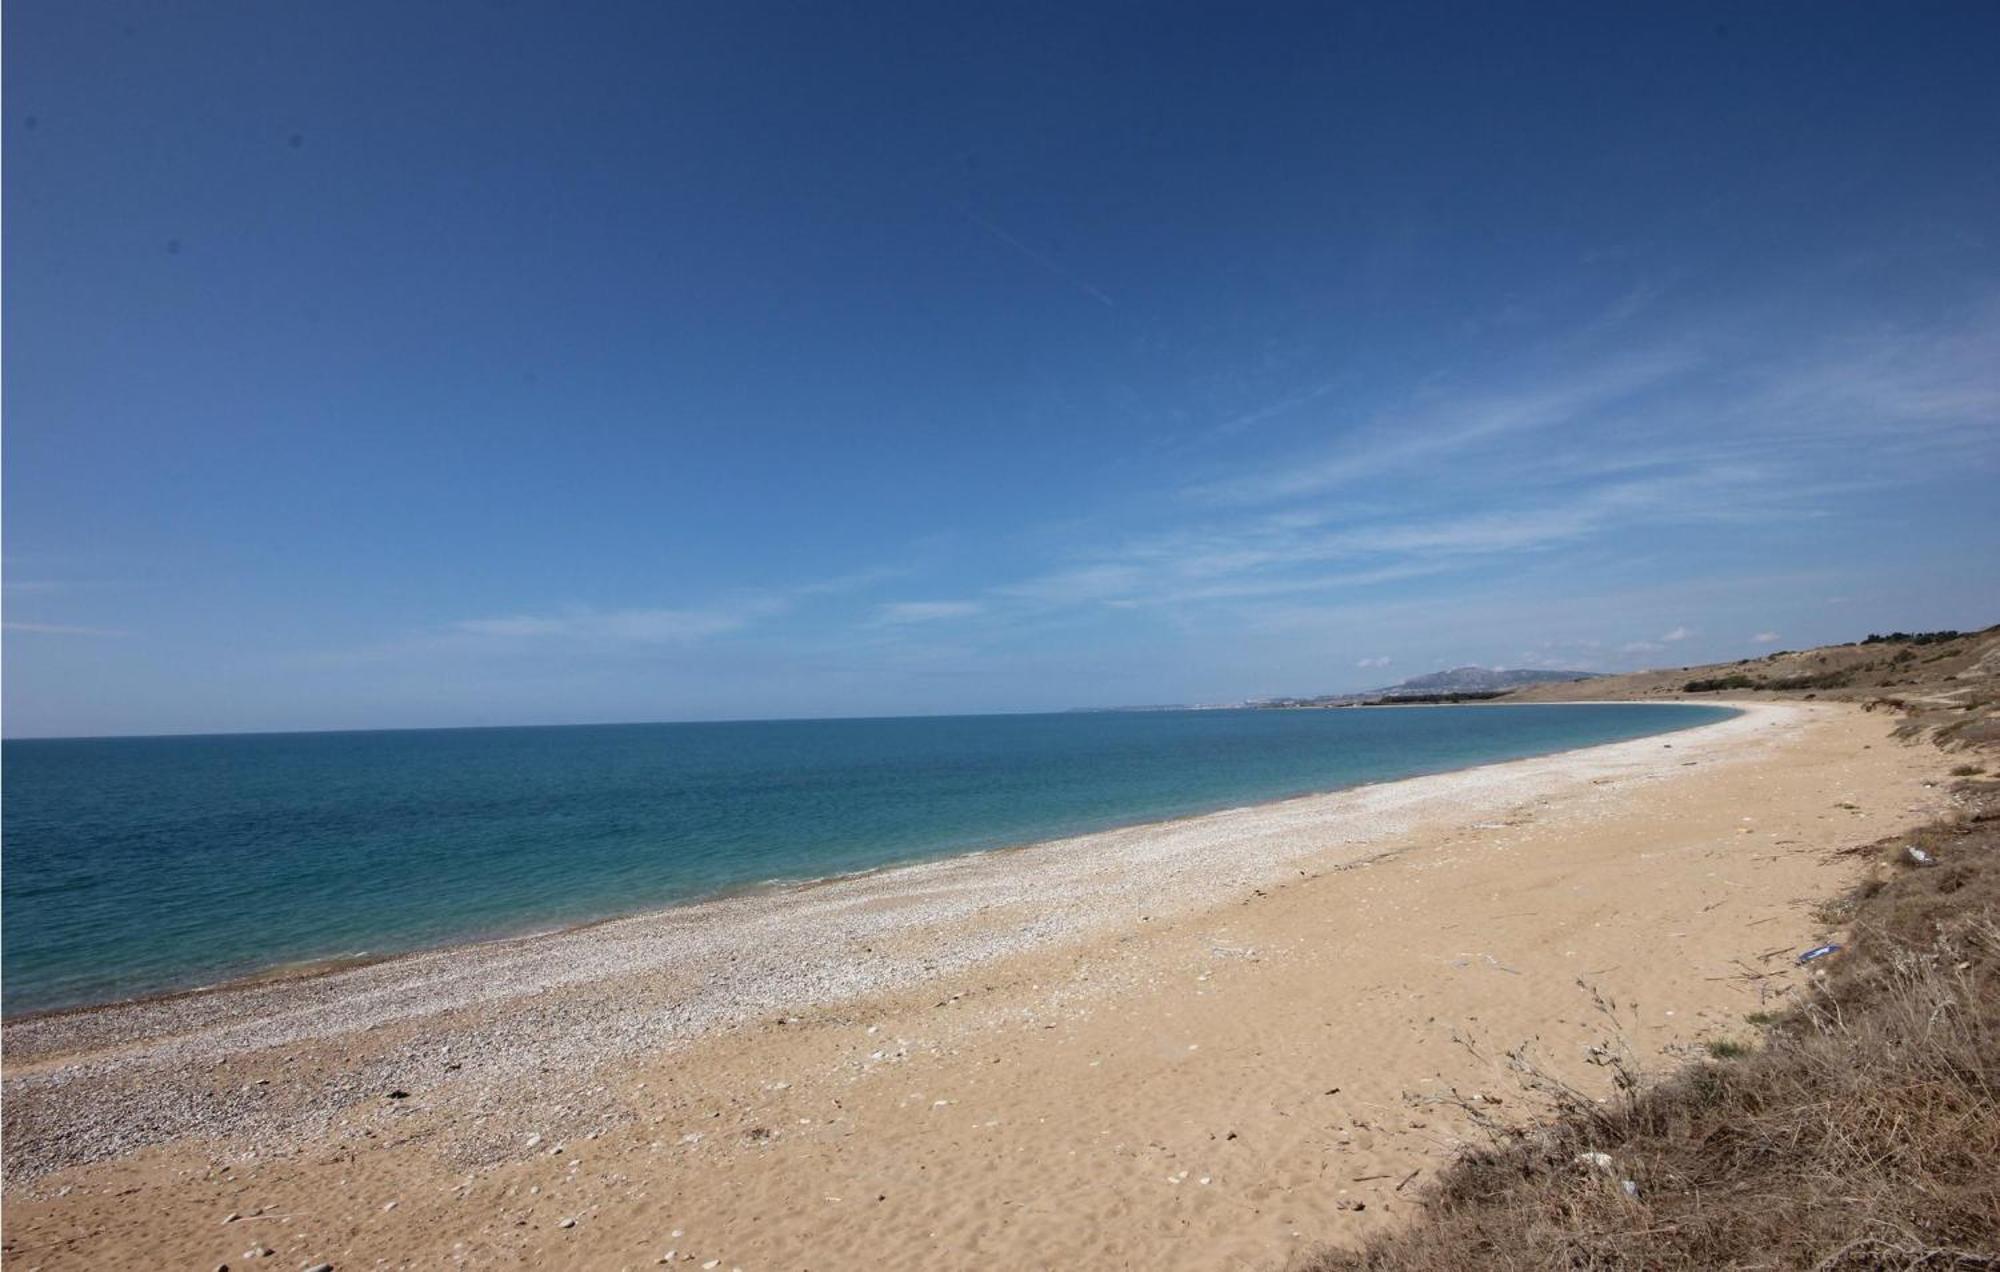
{"type": "Point", "coordinates": [1483, 679]}
{"type": "Point", "coordinates": [1947, 682]}
{"type": "Point", "coordinates": [1459, 683]}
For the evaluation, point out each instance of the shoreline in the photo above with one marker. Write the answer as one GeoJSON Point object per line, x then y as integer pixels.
{"type": "Point", "coordinates": [335, 964]}
{"type": "Point", "coordinates": [1080, 1052]}
{"type": "Point", "coordinates": [23, 1031]}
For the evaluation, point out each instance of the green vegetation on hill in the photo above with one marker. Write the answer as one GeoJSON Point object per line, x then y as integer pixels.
{"type": "Point", "coordinates": [1823, 680]}
{"type": "Point", "coordinates": [1912, 638]}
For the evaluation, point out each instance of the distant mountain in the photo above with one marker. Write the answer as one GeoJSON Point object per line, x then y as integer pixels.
{"type": "Point", "coordinates": [1453, 685]}
{"type": "Point", "coordinates": [1483, 680]}
{"type": "Point", "coordinates": [1472, 682]}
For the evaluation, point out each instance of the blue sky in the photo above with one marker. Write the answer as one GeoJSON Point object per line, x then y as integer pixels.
{"type": "Point", "coordinates": [381, 365]}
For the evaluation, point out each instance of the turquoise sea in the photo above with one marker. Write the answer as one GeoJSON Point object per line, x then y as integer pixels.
{"type": "Point", "coordinates": [140, 865]}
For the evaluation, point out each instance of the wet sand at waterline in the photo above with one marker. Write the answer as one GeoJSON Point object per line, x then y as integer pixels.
{"type": "Point", "coordinates": [1212, 1042]}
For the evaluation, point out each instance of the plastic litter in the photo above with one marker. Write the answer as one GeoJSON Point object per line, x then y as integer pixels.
{"type": "Point", "coordinates": [1631, 1189]}
{"type": "Point", "coordinates": [1918, 857]}
{"type": "Point", "coordinates": [1818, 952]}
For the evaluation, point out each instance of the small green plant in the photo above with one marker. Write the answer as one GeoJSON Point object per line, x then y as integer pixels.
{"type": "Point", "coordinates": [1966, 770]}
{"type": "Point", "coordinates": [1727, 1049]}
{"type": "Point", "coordinates": [1914, 638]}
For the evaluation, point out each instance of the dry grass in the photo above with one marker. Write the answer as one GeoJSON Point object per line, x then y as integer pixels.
{"type": "Point", "coordinates": [1946, 680]}
{"type": "Point", "coordinates": [1861, 1131]}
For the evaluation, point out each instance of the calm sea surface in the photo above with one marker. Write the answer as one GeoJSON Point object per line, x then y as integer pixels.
{"type": "Point", "coordinates": [135, 865]}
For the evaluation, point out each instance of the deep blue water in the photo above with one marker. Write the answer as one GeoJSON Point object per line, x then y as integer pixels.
{"type": "Point", "coordinates": [135, 865]}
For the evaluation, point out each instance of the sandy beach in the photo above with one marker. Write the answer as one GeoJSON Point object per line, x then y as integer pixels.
{"type": "Point", "coordinates": [1213, 1042]}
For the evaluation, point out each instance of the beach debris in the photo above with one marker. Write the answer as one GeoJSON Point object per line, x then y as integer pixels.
{"type": "Point", "coordinates": [534, 1140]}
{"type": "Point", "coordinates": [320, 1267]}
{"type": "Point", "coordinates": [231, 1217]}
{"type": "Point", "coordinates": [567, 1223]}
{"type": "Point", "coordinates": [1629, 1188]}
{"type": "Point", "coordinates": [1346, 1203]}
{"type": "Point", "coordinates": [1918, 857]}
{"type": "Point", "coordinates": [1596, 1161]}
{"type": "Point", "coordinates": [399, 1094]}
{"type": "Point", "coordinates": [1818, 952]}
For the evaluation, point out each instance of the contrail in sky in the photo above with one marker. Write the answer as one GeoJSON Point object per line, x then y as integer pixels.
{"type": "Point", "coordinates": [1039, 258]}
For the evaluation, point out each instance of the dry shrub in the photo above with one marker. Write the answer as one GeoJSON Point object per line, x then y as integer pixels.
{"type": "Point", "coordinates": [1864, 1131]}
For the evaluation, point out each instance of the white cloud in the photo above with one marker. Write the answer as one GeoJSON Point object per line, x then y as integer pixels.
{"type": "Point", "coordinates": [1446, 427]}
{"type": "Point", "coordinates": [1766, 638]}
{"type": "Point", "coordinates": [653, 625]}
{"type": "Point", "coordinates": [1679, 633]}
{"type": "Point", "coordinates": [1245, 555]}
{"type": "Point", "coordinates": [1641, 647]}
{"type": "Point", "coordinates": [926, 611]}
{"type": "Point", "coordinates": [61, 629]}
{"type": "Point", "coordinates": [1382, 661]}
{"type": "Point", "coordinates": [1083, 584]}
{"type": "Point", "coordinates": [619, 627]}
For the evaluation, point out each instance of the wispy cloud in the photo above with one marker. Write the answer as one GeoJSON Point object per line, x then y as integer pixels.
{"type": "Point", "coordinates": [855, 581]}
{"type": "Point", "coordinates": [926, 611]}
{"type": "Point", "coordinates": [1251, 555]}
{"type": "Point", "coordinates": [1080, 584]}
{"type": "Point", "coordinates": [1582, 451]}
{"type": "Point", "coordinates": [1580, 457]}
{"type": "Point", "coordinates": [1444, 426]}
{"type": "Point", "coordinates": [1766, 638]}
{"type": "Point", "coordinates": [1283, 406]}
{"type": "Point", "coordinates": [60, 629]}
{"type": "Point", "coordinates": [661, 625]}
{"type": "Point", "coordinates": [629, 626]}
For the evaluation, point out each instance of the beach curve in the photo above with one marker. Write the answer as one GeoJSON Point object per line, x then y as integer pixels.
{"type": "Point", "coordinates": [469, 1026]}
